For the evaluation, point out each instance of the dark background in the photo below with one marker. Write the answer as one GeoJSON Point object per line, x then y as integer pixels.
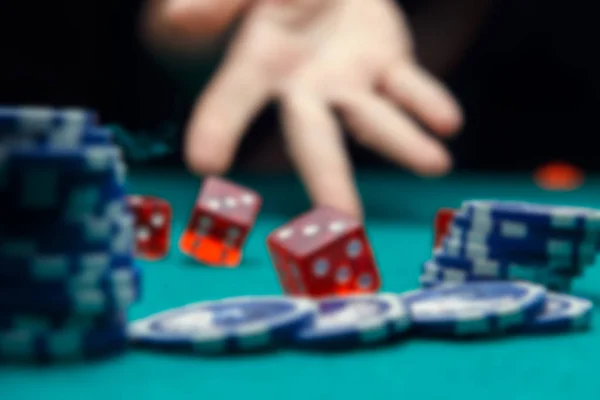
{"type": "Point", "coordinates": [529, 84]}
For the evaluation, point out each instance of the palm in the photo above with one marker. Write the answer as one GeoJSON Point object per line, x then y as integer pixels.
{"type": "Point", "coordinates": [313, 57]}
{"type": "Point", "coordinates": [338, 42]}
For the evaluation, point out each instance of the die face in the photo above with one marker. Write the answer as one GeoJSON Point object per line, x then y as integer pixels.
{"type": "Point", "coordinates": [153, 219]}
{"type": "Point", "coordinates": [288, 272]}
{"type": "Point", "coordinates": [313, 231]}
{"type": "Point", "coordinates": [213, 240]}
{"type": "Point", "coordinates": [443, 220]}
{"type": "Point", "coordinates": [230, 201]}
{"type": "Point", "coordinates": [340, 265]}
{"type": "Point", "coordinates": [345, 267]}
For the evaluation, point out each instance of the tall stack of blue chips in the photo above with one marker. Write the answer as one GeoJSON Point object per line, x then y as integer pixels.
{"type": "Point", "coordinates": [67, 274]}
{"type": "Point", "coordinates": [496, 240]}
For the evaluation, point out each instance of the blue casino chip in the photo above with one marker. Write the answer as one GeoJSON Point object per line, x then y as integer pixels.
{"type": "Point", "coordinates": [477, 308]}
{"type": "Point", "coordinates": [472, 250]}
{"type": "Point", "coordinates": [104, 245]}
{"type": "Point", "coordinates": [49, 268]}
{"type": "Point", "coordinates": [549, 246]}
{"type": "Point", "coordinates": [434, 274]}
{"type": "Point", "coordinates": [234, 324]}
{"type": "Point", "coordinates": [87, 234]}
{"type": "Point", "coordinates": [561, 313]}
{"type": "Point", "coordinates": [71, 300]}
{"type": "Point", "coordinates": [475, 272]}
{"type": "Point", "coordinates": [99, 158]}
{"type": "Point", "coordinates": [50, 247]}
{"type": "Point", "coordinates": [57, 140]}
{"type": "Point", "coordinates": [50, 128]}
{"type": "Point", "coordinates": [36, 197]}
{"type": "Point", "coordinates": [89, 220]}
{"type": "Point", "coordinates": [55, 346]}
{"type": "Point", "coordinates": [40, 323]}
{"type": "Point", "coordinates": [107, 280]}
{"type": "Point", "coordinates": [544, 216]}
{"type": "Point", "coordinates": [34, 119]}
{"type": "Point", "coordinates": [516, 230]}
{"type": "Point", "coordinates": [355, 320]}
{"type": "Point", "coordinates": [503, 268]}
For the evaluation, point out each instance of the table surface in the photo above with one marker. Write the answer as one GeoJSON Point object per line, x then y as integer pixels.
{"type": "Point", "coordinates": [400, 210]}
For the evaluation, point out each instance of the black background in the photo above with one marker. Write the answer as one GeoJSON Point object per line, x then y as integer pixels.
{"type": "Point", "coordinates": [529, 84]}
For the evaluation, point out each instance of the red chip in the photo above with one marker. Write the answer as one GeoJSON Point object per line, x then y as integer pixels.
{"type": "Point", "coordinates": [559, 176]}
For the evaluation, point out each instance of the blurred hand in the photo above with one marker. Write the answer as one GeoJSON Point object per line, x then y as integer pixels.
{"type": "Point", "coordinates": [319, 59]}
{"type": "Point", "coordinates": [188, 27]}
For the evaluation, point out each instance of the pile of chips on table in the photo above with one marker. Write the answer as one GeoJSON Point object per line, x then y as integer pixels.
{"type": "Point", "coordinates": [495, 240]}
{"type": "Point", "coordinates": [66, 235]}
{"type": "Point", "coordinates": [260, 323]}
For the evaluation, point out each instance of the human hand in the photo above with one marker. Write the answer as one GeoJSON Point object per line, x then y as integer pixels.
{"type": "Point", "coordinates": [316, 58]}
{"type": "Point", "coordinates": [186, 28]}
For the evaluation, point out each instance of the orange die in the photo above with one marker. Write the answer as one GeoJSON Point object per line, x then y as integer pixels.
{"type": "Point", "coordinates": [222, 217]}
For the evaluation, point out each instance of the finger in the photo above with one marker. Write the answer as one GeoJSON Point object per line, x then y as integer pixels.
{"type": "Point", "coordinates": [183, 25]}
{"type": "Point", "coordinates": [294, 12]}
{"type": "Point", "coordinates": [377, 124]}
{"type": "Point", "coordinates": [223, 113]}
{"type": "Point", "coordinates": [421, 94]}
{"type": "Point", "coordinates": [203, 17]}
{"type": "Point", "coordinates": [316, 146]}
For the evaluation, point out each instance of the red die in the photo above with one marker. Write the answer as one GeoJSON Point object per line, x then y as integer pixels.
{"type": "Point", "coordinates": [153, 218]}
{"type": "Point", "coordinates": [322, 253]}
{"type": "Point", "coordinates": [441, 225]}
{"type": "Point", "coordinates": [221, 220]}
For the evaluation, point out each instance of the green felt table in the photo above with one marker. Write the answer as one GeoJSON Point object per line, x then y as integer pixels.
{"type": "Point", "coordinates": [400, 210]}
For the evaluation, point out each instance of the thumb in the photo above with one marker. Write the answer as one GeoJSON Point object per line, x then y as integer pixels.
{"type": "Point", "coordinates": [188, 24]}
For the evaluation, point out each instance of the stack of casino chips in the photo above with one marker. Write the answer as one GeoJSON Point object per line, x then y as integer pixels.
{"type": "Point", "coordinates": [66, 235]}
{"type": "Point", "coordinates": [495, 240]}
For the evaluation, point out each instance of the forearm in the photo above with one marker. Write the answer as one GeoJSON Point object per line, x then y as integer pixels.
{"type": "Point", "coordinates": [444, 30]}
